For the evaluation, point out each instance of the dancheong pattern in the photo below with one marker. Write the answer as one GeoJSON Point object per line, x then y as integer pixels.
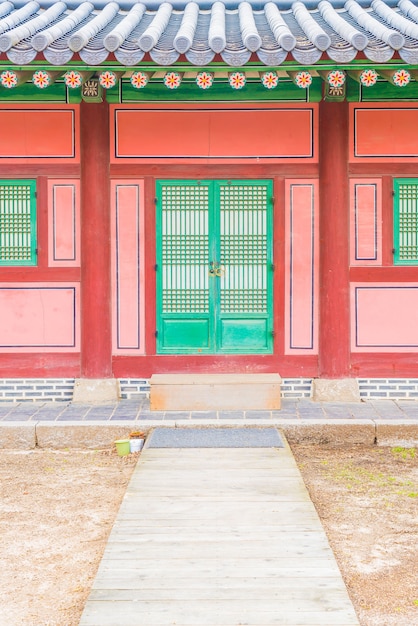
{"type": "Point", "coordinates": [368, 78]}
{"type": "Point", "coordinates": [139, 80]}
{"type": "Point", "coordinates": [270, 80]}
{"type": "Point", "coordinates": [108, 79]}
{"type": "Point", "coordinates": [204, 80]}
{"type": "Point", "coordinates": [73, 79]}
{"type": "Point", "coordinates": [172, 80]}
{"type": "Point", "coordinates": [237, 80]}
{"type": "Point", "coordinates": [8, 79]}
{"type": "Point", "coordinates": [401, 78]}
{"type": "Point", "coordinates": [336, 78]}
{"type": "Point", "coordinates": [41, 79]}
{"type": "Point", "coordinates": [303, 79]}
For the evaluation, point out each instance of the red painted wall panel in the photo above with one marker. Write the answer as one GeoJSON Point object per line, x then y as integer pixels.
{"type": "Point", "coordinates": [30, 134]}
{"type": "Point", "coordinates": [63, 223]}
{"type": "Point", "coordinates": [39, 317]}
{"type": "Point", "coordinates": [214, 134]}
{"type": "Point", "coordinates": [382, 133]}
{"type": "Point", "coordinates": [302, 260]}
{"type": "Point", "coordinates": [127, 266]}
{"type": "Point", "coordinates": [365, 222]}
{"type": "Point", "coordinates": [384, 317]}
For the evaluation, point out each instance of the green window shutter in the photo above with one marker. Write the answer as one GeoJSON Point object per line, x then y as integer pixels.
{"type": "Point", "coordinates": [17, 222]}
{"type": "Point", "coordinates": [406, 221]}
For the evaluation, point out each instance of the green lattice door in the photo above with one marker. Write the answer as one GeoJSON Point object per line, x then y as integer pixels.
{"type": "Point", "coordinates": [405, 221]}
{"type": "Point", "coordinates": [214, 267]}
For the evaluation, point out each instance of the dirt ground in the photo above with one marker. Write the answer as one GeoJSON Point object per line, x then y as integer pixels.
{"type": "Point", "coordinates": [367, 499]}
{"type": "Point", "coordinates": [57, 509]}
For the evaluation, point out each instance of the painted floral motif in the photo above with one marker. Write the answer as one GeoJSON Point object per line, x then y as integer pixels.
{"type": "Point", "coordinates": [8, 79]}
{"type": "Point", "coordinates": [368, 78]}
{"type": "Point", "coordinates": [336, 78]}
{"type": "Point", "coordinates": [172, 80]}
{"type": "Point", "coordinates": [401, 78]}
{"type": "Point", "coordinates": [41, 79]}
{"type": "Point", "coordinates": [303, 80]}
{"type": "Point", "coordinates": [139, 80]}
{"type": "Point", "coordinates": [237, 80]}
{"type": "Point", "coordinates": [107, 79]}
{"type": "Point", "coordinates": [204, 80]}
{"type": "Point", "coordinates": [270, 80]}
{"type": "Point", "coordinates": [73, 79]}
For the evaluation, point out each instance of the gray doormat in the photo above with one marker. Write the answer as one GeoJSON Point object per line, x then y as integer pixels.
{"type": "Point", "coordinates": [215, 438]}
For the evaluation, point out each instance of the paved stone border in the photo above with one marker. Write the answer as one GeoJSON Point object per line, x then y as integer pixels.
{"type": "Point", "coordinates": [99, 434]}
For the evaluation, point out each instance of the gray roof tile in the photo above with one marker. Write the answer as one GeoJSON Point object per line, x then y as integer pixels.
{"type": "Point", "coordinates": [198, 30]}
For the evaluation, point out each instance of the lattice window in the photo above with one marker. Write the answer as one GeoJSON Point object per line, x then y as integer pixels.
{"type": "Point", "coordinates": [243, 248]}
{"type": "Point", "coordinates": [406, 222]}
{"type": "Point", "coordinates": [17, 222]}
{"type": "Point", "coordinates": [185, 248]}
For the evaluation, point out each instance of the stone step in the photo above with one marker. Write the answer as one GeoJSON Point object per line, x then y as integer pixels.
{"type": "Point", "coordinates": [202, 392]}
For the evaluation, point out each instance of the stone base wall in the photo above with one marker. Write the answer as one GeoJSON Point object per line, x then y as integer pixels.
{"type": "Point", "coordinates": [36, 389]}
{"type": "Point", "coordinates": [61, 389]}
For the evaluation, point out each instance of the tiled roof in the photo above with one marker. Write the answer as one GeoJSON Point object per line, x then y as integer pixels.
{"type": "Point", "coordinates": [197, 31]}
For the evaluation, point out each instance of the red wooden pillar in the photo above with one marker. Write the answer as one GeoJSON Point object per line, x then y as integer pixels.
{"type": "Point", "coordinates": [334, 325]}
{"type": "Point", "coordinates": [96, 346]}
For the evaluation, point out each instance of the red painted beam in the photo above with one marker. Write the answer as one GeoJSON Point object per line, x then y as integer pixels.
{"type": "Point", "coordinates": [96, 342]}
{"type": "Point", "coordinates": [334, 329]}
{"type": "Point", "coordinates": [45, 365]}
{"type": "Point", "coordinates": [145, 366]}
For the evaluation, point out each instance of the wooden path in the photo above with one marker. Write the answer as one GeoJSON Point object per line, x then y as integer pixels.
{"type": "Point", "coordinates": [218, 537]}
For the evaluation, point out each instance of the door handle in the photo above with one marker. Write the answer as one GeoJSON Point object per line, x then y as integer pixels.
{"type": "Point", "coordinates": [216, 270]}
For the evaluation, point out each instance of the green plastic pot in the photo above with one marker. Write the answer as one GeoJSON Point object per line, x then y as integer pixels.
{"type": "Point", "coordinates": [122, 447]}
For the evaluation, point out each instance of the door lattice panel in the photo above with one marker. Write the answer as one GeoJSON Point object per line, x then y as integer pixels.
{"type": "Point", "coordinates": [243, 248]}
{"type": "Point", "coordinates": [185, 248]}
{"type": "Point", "coordinates": [17, 223]}
{"type": "Point", "coordinates": [407, 247]}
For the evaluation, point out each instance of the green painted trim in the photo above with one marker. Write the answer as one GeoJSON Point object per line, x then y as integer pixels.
{"type": "Point", "coordinates": [254, 91]}
{"type": "Point", "coordinates": [33, 231]}
{"type": "Point", "coordinates": [220, 91]}
{"type": "Point", "coordinates": [27, 92]}
{"type": "Point", "coordinates": [397, 184]}
{"type": "Point", "coordinates": [383, 91]}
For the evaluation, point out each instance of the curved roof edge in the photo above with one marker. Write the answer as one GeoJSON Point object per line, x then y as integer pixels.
{"type": "Point", "coordinates": [203, 4]}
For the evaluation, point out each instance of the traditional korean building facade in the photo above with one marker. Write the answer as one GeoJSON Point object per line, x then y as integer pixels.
{"type": "Point", "coordinates": [211, 188]}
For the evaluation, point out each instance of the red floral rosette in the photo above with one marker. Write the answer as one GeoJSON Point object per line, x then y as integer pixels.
{"type": "Point", "coordinates": [204, 80]}
{"type": "Point", "coordinates": [303, 79]}
{"type": "Point", "coordinates": [368, 78]}
{"type": "Point", "coordinates": [41, 79]}
{"type": "Point", "coordinates": [270, 80]}
{"type": "Point", "coordinates": [8, 79]}
{"type": "Point", "coordinates": [336, 78]}
{"type": "Point", "coordinates": [237, 80]}
{"type": "Point", "coordinates": [139, 80]}
{"type": "Point", "coordinates": [172, 80]}
{"type": "Point", "coordinates": [73, 79]}
{"type": "Point", "coordinates": [401, 78]}
{"type": "Point", "coordinates": [107, 79]}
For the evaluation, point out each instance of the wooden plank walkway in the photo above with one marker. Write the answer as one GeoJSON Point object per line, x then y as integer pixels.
{"type": "Point", "coordinates": [218, 537]}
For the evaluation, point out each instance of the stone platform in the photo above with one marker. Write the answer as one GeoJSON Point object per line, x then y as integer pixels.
{"type": "Point", "coordinates": [205, 392]}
